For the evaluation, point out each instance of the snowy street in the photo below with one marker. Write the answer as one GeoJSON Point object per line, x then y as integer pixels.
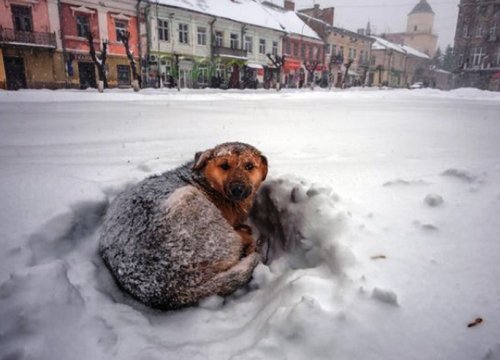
{"type": "Point", "coordinates": [401, 248]}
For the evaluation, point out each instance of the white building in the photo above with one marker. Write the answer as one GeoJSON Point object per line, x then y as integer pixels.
{"type": "Point", "coordinates": [198, 43]}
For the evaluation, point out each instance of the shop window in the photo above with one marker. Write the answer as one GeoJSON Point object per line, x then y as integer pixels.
{"type": "Point", "coordinates": [123, 72]}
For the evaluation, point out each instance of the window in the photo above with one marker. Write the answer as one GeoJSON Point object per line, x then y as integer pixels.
{"type": "Point", "coordinates": [303, 51]}
{"type": "Point", "coordinates": [219, 39]}
{"type": "Point", "coordinates": [123, 72]}
{"type": "Point", "coordinates": [466, 31]}
{"type": "Point", "coordinates": [234, 43]}
{"type": "Point", "coordinates": [493, 31]}
{"type": "Point", "coordinates": [479, 30]}
{"type": "Point", "coordinates": [163, 33]}
{"type": "Point", "coordinates": [202, 35]}
{"type": "Point", "coordinates": [21, 15]}
{"type": "Point", "coordinates": [203, 75]}
{"type": "Point", "coordinates": [341, 51]}
{"type": "Point", "coordinates": [460, 60]}
{"type": "Point", "coordinates": [288, 47]}
{"type": "Point", "coordinates": [295, 49]}
{"type": "Point", "coordinates": [121, 27]}
{"type": "Point", "coordinates": [354, 53]}
{"type": "Point", "coordinates": [275, 48]}
{"type": "Point", "coordinates": [82, 25]}
{"type": "Point", "coordinates": [497, 57]}
{"type": "Point", "coordinates": [249, 44]}
{"type": "Point", "coordinates": [262, 46]}
{"type": "Point", "coordinates": [351, 53]}
{"type": "Point", "coordinates": [183, 33]}
{"type": "Point", "coordinates": [361, 56]}
{"type": "Point", "coordinates": [334, 49]}
{"type": "Point", "coordinates": [477, 56]}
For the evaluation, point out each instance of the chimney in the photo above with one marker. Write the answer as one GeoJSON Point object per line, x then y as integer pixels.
{"type": "Point", "coordinates": [289, 5]}
{"type": "Point", "coordinates": [327, 15]}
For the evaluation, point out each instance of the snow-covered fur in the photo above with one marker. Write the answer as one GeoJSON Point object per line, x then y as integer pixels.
{"type": "Point", "coordinates": [169, 246]}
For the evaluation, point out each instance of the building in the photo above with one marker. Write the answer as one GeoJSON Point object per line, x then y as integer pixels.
{"type": "Point", "coordinates": [214, 43]}
{"type": "Point", "coordinates": [105, 20]}
{"type": "Point", "coordinates": [27, 45]}
{"type": "Point", "coordinates": [347, 53]}
{"type": "Point", "coordinates": [396, 65]}
{"type": "Point", "coordinates": [419, 30]}
{"type": "Point", "coordinates": [303, 48]}
{"type": "Point", "coordinates": [477, 45]}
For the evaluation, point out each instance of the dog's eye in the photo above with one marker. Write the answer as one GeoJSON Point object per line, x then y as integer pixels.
{"type": "Point", "coordinates": [249, 166]}
{"type": "Point", "coordinates": [224, 166]}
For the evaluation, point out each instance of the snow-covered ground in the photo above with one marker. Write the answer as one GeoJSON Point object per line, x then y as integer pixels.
{"type": "Point", "coordinates": [392, 196]}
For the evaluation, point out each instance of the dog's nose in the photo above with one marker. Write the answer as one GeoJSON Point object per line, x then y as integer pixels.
{"type": "Point", "coordinates": [238, 191]}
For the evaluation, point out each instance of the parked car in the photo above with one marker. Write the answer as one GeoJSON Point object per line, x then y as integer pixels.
{"type": "Point", "coordinates": [417, 85]}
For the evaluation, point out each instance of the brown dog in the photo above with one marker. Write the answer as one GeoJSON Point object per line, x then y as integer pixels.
{"type": "Point", "coordinates": [178, 237]}
{"type": "Point", "coordinates": [231, 175]}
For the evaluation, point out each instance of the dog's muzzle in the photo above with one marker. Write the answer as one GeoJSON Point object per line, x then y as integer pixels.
{"type": "Point", "coordinates": [238, 191]}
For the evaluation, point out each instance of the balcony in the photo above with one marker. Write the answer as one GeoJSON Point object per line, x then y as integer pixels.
{"type": "Point", "coordinates": [229, 52]}
{"type": "Point", "coordinates": [38, 39]}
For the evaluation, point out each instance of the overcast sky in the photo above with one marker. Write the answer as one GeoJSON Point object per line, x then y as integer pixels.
{"type": "Point", "coordinates": [389, 15]}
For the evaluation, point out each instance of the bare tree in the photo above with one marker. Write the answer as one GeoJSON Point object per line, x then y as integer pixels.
{"type": "Point", "coordinates": [311, 67]}
{"type": "Point", "coordinates": [278, 62]}
{"type": "Point", "coordinates": [100, 62]}
{"type": "Point", "coordinates": [124, 37]}
{"type": "Point", "coordinates": [347, 66]}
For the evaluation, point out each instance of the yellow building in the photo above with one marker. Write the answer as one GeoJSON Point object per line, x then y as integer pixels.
{"type": "Point", "coordinates": [396, 65]}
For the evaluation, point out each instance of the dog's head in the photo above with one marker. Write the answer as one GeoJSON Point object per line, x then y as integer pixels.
{"type": "Point", "coordinates": [235, 170]}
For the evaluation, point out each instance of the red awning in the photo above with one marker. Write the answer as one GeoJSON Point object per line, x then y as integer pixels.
{"type": "Point", "coordinates": [291, 64]}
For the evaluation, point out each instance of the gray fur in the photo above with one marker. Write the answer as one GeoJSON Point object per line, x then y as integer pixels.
{"type": "Point", "coordinates": [164, 242]}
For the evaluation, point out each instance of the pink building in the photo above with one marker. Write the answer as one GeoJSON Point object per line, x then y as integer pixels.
{"type": "Point", "coordinates": [27, 45]}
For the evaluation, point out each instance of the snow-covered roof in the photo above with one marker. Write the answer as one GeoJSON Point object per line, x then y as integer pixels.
{"type": "Point", "coordinates": [248, 12]}
{"type": "Point", "coordinates": [291, 22]}
{"type": "Point", "coordinates": [383, 44]}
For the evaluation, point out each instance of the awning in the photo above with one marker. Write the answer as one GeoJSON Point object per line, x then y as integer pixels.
{"type": "Point", "coordinates": [255, 66]}
{"type": "Point", "coordinates": [291, 64]}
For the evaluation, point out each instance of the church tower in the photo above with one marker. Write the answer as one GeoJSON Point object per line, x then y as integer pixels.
{"type": "Point", "coordinates": [419, 29]}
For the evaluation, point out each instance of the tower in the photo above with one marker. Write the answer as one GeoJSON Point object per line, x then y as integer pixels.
{"type": "Point", "coordinates": [419, 29]}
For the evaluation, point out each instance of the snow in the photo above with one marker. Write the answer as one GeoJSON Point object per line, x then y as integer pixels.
{"type": "Point", "coordinates": [388, 200]}
{"type": "Point", "coordinates": [248, 12]}
{"type": "Point", "coordinates": [382, 44]}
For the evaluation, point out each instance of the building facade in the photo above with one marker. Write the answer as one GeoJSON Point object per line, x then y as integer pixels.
{"type": "Point", "coordinates": [477, 45]}
{"type": "Point", "coordinates": [105, 20]}
{"type": "Point", "coordinates": [27, 45]}
{"type": "Point", "coordinates": [396, 65]}
{"type": "Point", "coordinates": [190, 47]}
{"type": "Point", "coordinates": [347, 53]}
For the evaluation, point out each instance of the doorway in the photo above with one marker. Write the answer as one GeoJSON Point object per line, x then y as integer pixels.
{"type": "Point", "coordinates": [86, 72]}
{"type": "Point", "coordinates": [14, 70]}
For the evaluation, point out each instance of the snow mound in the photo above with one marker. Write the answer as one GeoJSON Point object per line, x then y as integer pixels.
{"type": "Point", "coordinates": [303, 221]}
{"type": "Point", "coordinates": [433, 200]}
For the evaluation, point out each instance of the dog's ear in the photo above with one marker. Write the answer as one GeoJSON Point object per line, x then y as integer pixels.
{"type": "Point", "coordinates": [263, 160]}
{"type": "Point", "coordinates": [200, 159]}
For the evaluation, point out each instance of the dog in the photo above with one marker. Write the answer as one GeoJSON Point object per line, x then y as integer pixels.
{"type": "Point", "coordinates": [176, 238]}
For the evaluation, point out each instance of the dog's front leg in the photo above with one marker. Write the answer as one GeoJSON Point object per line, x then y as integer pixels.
{"type": "Point", "coordinates": [247, 240]}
